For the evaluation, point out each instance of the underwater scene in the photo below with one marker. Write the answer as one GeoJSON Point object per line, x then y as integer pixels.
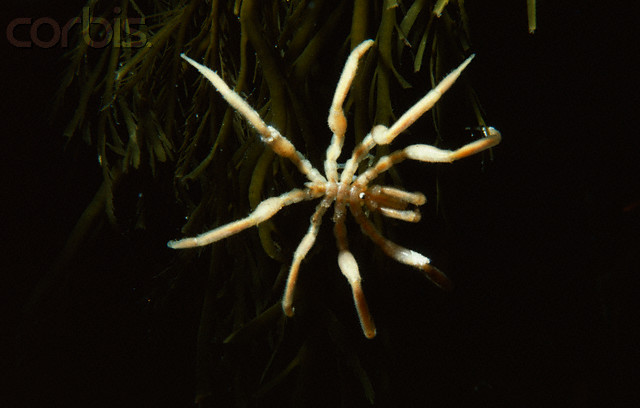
{"type": "Point", "coordinates": [319, 203]}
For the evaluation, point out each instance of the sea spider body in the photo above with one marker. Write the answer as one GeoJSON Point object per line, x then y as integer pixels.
{"type": "Point", "coordinates": [346, 189]}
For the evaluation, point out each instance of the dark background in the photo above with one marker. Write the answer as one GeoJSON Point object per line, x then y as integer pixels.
{"type": "Point", "coordinates": [550, 235]}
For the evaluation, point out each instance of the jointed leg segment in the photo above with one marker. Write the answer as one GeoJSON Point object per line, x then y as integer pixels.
{"type": "Point", "coordinates": [422, 106]}
{"type": "Point", "coordinates": [265, 210]}
{"type": "Point", "coordinates": [430, 154]}
{"type": "Point", "coordinates": [269, 135]}
{"type": "Point", "coordinates": [349, 268]}
{"type": "Point", "coordinates": [337, 120]}
{"type": "Point", "coordinates": [301, 252]}
{"type": "Point", "coordinates": [399, 253]}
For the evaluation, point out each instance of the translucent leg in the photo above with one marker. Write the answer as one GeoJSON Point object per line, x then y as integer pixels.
{"type": "Point", "coordinates": [422, 106]}
{"type": "Point", "coordinates": [265, 210]}
{"type": "Point", "coordinates": [349, 268]}
{"type": "Point", "coordinates": [399, 253]}
{"type": "Point", "coordinates": [337, 120]}
{"type": "Point", "coordinates": [269, 135]}
{"type": "Point", "coordinates": [301, 252]}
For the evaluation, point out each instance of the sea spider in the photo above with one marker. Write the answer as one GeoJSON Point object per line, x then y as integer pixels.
{"type": "Point", "coordinates": [346, 188]}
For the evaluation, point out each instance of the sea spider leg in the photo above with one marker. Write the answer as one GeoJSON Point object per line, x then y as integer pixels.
{"type": "Point", "coordinates": [399, 253]}
{"type": "Point", "coordinates": [400, 195]}
{"type": "Point", "coordinates": [337, 120]}
{"type": "Point", "coordinates": [428, 153]}
{"type": "Point", "coordinates": [349, 268]}
{"type": "Point", "coordinates": [265, 210]}
{"type": "Point", "coordinates": [301, 252]}
{"type": "Point", "coordinates": [268, 134]}
{"type": "Point", "coordinates": [392, 202]}
{"type": "Point", "coordinates": [359, 153]}
{"type": "Point", "coordinates": [422, 106]}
